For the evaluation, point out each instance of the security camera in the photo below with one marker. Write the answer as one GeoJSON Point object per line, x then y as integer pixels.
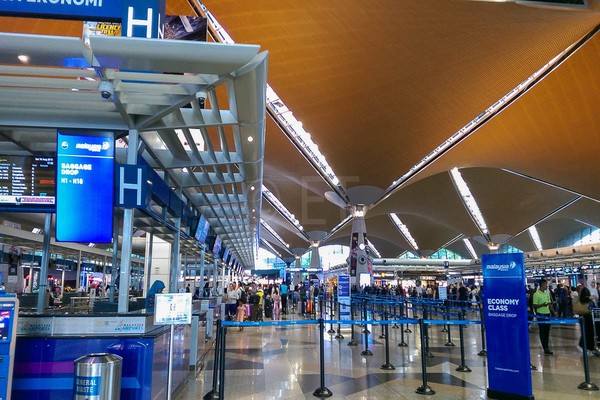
{"type": "Point", "coordinates": [385, 261]}
{"type": "Point", "coordinates": [107, 90]}
{"type": "Point", "coordinates": [362, 260]}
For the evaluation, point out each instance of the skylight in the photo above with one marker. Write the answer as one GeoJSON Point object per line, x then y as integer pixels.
{"type": "Point", "coordinates": [284, 116]}
{"type": "Point", "coordinates": [478, 120]}
{"type": "Point", "coordinates": [470, 247]}
{"type": "Point", "coordinates": [373, 249]}
{"type": "Point", "coordinates": [469, 201]}
{"type": "Point", "coordinates": [535, 237]}
{"type": "Point", "coordinates": [404, 231]}
{"type": "Point", "coordinates": [272, 232]}
{"type": "Point", "coordinates": [274, 201]}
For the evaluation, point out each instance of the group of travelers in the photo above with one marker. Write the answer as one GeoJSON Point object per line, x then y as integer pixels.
{"type": "Point", "coordinates": [562, 301]}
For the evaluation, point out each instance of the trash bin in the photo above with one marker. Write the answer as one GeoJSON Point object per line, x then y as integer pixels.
{"type": "Point", "coordinates": [98, 377]}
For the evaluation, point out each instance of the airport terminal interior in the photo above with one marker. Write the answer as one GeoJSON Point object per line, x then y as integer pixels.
{"type": "Point", "coordinates": [354, 168]}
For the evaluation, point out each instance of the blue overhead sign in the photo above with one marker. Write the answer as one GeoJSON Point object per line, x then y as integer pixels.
{"type": "Point", "coordinates": [343, 294]}
{"type": "Point", "coordinates": [140, 18]}
{"type": "Point", "coordinates": [84, 187]}
{"type": "Point", "coordinates": [505, 316]}
{"type": "Point", "coordinates": [106, 10]}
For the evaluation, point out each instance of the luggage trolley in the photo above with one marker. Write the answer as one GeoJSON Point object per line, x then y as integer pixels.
{"type": "Point", "coordinates": [596, 322]}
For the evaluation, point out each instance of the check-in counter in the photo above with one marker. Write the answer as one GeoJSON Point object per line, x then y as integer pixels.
{"type": "Point", "coordinates": [47, 345]}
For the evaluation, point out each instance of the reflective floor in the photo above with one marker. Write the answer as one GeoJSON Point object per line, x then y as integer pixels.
{"type": "Point", "coordinates": [283, 363]}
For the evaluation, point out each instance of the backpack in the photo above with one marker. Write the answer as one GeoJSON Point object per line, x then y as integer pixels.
{"type": "Point", "coordinates": [244, 297]}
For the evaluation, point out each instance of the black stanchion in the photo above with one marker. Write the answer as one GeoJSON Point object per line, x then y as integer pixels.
{"type": "Point", "coordinates": [587, 385]}
{"type": "Point", "coordinates": [366, 351]}
{"type": "Point", "coordinates": [407, 330]}
{"type": "Point", "coordinates": [331, 331]}
{"type": "Point", "coordinates": [483, 351]}
{"type": "Point", "coordinates": [322, 391]}
{"type": "Point", "coordinates": [387, 365]}
{"type": "Point", "coordinates": [352, 342]}
{"type": "Point", "coordinates": [395, 315]}
{"type": "Point", "coordinates": [339, 334]}
{"type": "Point", "coordinates": [462, 367]}
{"type": "Point", "coordinates": [214, 394]}
{"type": "Point", "coordinates": [221, 389]}
{"type": "Point", "coordinates": [366, 329]}
{"type": "Point", "coordinates": [424, 388]}
{"type": "Point", "coordinates": [446, 317]}
{"type": "Point", "coordinates": [382, 334]}
{"type": "Point", "coordinates": [449, 343]}
{"type": "Point", "coordinates": [402, 342]}
{"type": "Point", "coordinates": [426, 327]}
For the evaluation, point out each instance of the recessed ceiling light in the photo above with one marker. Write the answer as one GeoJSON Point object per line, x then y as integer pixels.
{"type": "Point", "coordinates": [250, 139]}
{"type": "Point", "coordinates": [252, 188]}
{"type": "Point", "coordinates": [23, 58]}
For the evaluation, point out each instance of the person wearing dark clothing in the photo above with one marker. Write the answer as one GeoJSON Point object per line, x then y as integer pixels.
{"type": "Point", "coordinates": [157, 287]}
{"type": "Point", "coordinates": [582, 308]}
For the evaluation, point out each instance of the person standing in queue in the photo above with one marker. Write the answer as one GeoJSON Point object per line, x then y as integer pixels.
{"type": "Point", "coordinates": [542, 306]}
{"type": "Point", "coordinates": [157, 287]}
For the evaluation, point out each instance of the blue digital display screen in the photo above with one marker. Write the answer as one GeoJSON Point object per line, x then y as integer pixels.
{"type": "Point", "coordinates": [217, 247]}
{"type": "Point", "coordinates": [202, 230]}
{"type": "Point", "coordinates": [225, 254]}
{"type": "Point", "coordinates": [84, 187]}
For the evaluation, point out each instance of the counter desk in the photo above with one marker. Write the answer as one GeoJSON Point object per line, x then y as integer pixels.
{"type": "Point", "coordinates": [47, 345]}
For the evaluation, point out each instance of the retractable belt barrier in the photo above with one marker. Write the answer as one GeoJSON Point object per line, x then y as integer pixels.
{"type": "Point", "coordinates": [383, 307]}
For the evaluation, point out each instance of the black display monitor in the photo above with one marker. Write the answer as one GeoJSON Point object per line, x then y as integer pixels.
{"type": "Point", "coordinates": [27, 184]}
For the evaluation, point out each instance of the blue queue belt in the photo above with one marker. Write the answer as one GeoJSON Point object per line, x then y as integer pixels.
{"type": "Point", "coordinates": [552, 321]}
{"type": "Point", "coordinates": [270, 323]}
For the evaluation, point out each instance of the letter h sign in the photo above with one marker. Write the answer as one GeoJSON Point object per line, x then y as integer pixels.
{"type": "Point", "coordinates": [143, 18]}
{"type": "Point", "coordinates": [132, 186]}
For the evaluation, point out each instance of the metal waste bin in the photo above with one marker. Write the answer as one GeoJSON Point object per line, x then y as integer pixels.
{"type": "Point", "coordinates": [98, 377]}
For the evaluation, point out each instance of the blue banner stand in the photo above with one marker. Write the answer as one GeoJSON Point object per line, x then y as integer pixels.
{"type": "Point", "coordinates": [505, 311]}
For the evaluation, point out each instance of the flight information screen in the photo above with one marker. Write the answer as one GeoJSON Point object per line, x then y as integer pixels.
{"type": "Point", "coordinates": [27, 182]}
{"type": "Point", "coordinates": [85, 185]}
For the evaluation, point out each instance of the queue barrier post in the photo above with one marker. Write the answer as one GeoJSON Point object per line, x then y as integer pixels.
{"type": "Point", "coordinates": [387, 366]}
{"type": "Point", "coordinates": [407, 330]}
{"type": "Point", "coordinates": [483, 351]}
{"type": "Point", "coordinates": [366, 329]}
{"type": "Point", "coordinates": [424, 388]}
{"type": "Point", "coordinates": [339, 334]}
{"type": "Point", "coordinates": [352, 342]}
{"type": "Point", "coordinates": [221, 390]}
{"type": "Point", "coordinates": [449, 343]}
{"type": "Point", "coordinates": [426, 329]}
{"type": "Point", "coordinates": [587, 385]}
{"type": "Point", "coordinates": [462, 367]}
{"type": "Point", "coordinates": [322, 391]}
{"type": "Point", "coordinates": [214, 394]}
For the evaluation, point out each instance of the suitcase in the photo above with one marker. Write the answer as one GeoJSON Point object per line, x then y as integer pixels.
{"type": "Point", "coordinates": [268, 308]}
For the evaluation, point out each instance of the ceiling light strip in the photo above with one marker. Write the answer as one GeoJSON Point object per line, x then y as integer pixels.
{"type": "Point", "coordinates": [285, 118]}
{"type": "Point", "coordinates": [277, 205]}
{"type": "Point", "coordinates": [271, 248]}
{"type": "Point", "coordinates": [404, 231]}
{"type": "Point", "coordinates": [373, 249]}
{"type": "Point", "coordinates": [494, 109]}
{"type": "Point", "coordinates": [272, 232]}
{"type": "Point", "coordinates": [339, 226]}
{"type": "Point", "coordinates": [535, 236]}
{"type": "Point", "coordinates": [469, 202]}
{"type": "Point", "coordinates": [470, 247]}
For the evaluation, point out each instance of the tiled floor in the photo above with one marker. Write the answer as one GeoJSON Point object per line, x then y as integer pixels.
{"type": "Point", "coordinates": [283, 363]}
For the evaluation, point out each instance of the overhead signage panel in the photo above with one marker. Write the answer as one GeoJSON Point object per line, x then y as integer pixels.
{"type": "Point", "coordinates": [84, 187]}
{"type": "Point", "coordinates": [107, 10]}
